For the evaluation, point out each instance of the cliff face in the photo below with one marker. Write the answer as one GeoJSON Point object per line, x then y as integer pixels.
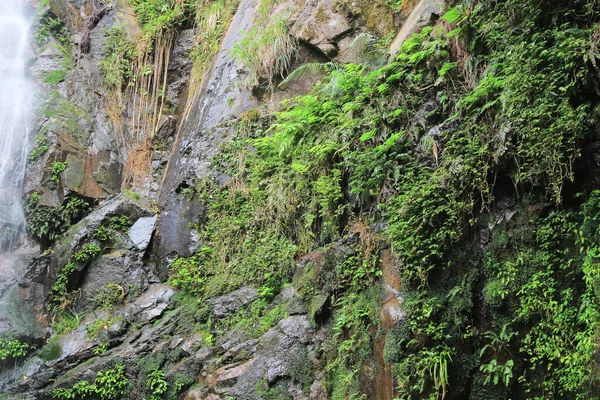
{"type": "Point", "coordinates": [308, 200]}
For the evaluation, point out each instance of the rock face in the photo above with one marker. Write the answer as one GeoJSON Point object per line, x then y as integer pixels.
{"type": "Point", "coordinates": [421, 15]}
{"type": "Point", "coordinates": [141, 232]}
{"type": "Point", "coordinates": [93, 295]}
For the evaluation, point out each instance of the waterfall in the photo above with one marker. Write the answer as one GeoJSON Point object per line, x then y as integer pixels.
{"type": "Point", "coordinates": [15, 99]}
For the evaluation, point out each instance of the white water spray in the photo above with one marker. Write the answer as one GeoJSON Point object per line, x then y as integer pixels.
{"type": "Point", "coordinates": [15, 101]}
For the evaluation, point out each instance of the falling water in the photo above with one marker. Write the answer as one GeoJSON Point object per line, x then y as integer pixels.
{"type": "Point", "coordinates": [15, 97]}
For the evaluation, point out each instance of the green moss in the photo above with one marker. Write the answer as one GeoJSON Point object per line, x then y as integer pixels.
{"type": "Point", "coordinates": [51, 350]}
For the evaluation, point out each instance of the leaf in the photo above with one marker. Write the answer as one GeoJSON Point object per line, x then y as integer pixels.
{"type": "Point", "coordinates": [447, 67]}
{"type": "Point", "coordinates": [453, 15]}
{"type": "Point", "coordinates": [368, 135]}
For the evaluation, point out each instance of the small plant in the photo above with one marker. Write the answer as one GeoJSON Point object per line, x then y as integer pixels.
{"type": "Point", "coordinates": [87, 252]}
{"type": "Point", "coordinates": [100, 349]}
{"type": "Point", "coordinates": [268, 51]}
{"type": "Point", "coordinates": [99, 325]}
{"type": "Point", "coordinates": [156, 383]}
{"type": "Point", "coordinates": [40, 146]}
{"type": "Point", "coordinates": [49, 223]}
{"type": "Point", "coordinates": [119, 223]}
{"type": "Point", "coordinates": [51, 350]}
{"type": "Point", "coordinates": [497, 373]}
{"type": "Point", "coordinates": [57, 168]}
{"type": "Point", "coordinates": [54, 77]}
{"type": "Point", "coordinates": [66, 321]}
{"type": "Point", "coordinates": [12, 348]}
{"type": "Point", "coordinates": [109, 296]}
{"type": "Point", "coordinates": [110, 384]}
{"type": "Point", "coordinates": [50, 25]}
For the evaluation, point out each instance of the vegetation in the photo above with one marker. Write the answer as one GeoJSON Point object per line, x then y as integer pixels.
{"type": "Point", "coordinates": [50, 26]}
{"type": "Point", "coordinates": [62, 295]}
{"type": "Point", "coordinates": [268, 51]}
{"type": "Point", "coordinates": [110, 384]}
{"type": "Point", "coordinates": [458, 157]}
{"type": "Point", "coordinates": [496, 101]}
{"type": "Point", "coordinates": [12, 348]}
{"type": "Point", "coordinates": [57, 168]}
{"type": "Point", "coordinates": [41, 145]}
{"type": "Point", "coordinates": [49, 223]}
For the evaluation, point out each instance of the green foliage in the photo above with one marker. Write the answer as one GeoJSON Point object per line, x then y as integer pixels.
{"type": "Point", "coordinates": [109, 384]}
{"type": "Point", "coordinates": [268, 50]}
{"type": "Point", "coordinates": [12, 348]}
{"type": "Point", "coordinates": [51, 350]}
{"type": "Point", "coordinates": [108, 296]}
{"type": "Point", "coordinates": [118, 62]}
{"type": "Point", "coordinates": [157, 16]}
{"type": "Point", "coordinates": [505, 94]}
{"type": "Point", "coordinates": [54, 77]}
{"type": "Point", "coordinates": [156, 383]}
{"type": "Point", "coordinates": [60, 296]}
{"type": "Point", "coordinates": [60, 289]}
{"type": "Point", "coordinates": [57, 168]}
{"type": "Point", "coordinates": [41, 145]}
{"type": "Point", "coordinates": [99, 325]}
{"type": "Point", "coordinates": [63, 116]}
{"type": "Point", "coordinates": [119, 223]}
{"type": "Point", "coordinates": [86, 253]}
{"type": "Point", "coordinates": [50, 25]}
{"type": "Point", "coordinates": [66, 321]}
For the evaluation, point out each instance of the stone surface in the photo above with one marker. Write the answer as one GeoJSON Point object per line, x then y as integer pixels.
{"type": "Point", "coordinates": [321, 25]}
{"type": "Point", "coordinates": [231, 302]}
{"type": "Point", "coordinates": [421, 16]}
{"type": "Point", "coordinates": [141, 232]}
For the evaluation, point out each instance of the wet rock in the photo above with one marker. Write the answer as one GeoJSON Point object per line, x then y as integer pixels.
{"type": "Point", "coordinates": [296, 326]}
{"type": "Point", "coordinates": [421, 16]}
{"type": "Point", "coordinates": [231, 339]}
{"type": "Point", "coordinates": [150, 305]}
{"type": "Point", "coordinates": [233, 301]}
{"type": "Point", "coordinates": [180, 65]}
{"type": "Point", "coordinates": [240, 351]}
{"type": "Point", "coordinates": [141, 232]}
{"type": "Point", "coordinates": [319, 24]}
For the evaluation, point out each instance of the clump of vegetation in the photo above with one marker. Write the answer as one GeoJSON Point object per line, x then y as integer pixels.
{"type": "Point", "coordinates": [57, 168]}
{"type": "Point", "coordinates": [109, 384]}
{"type": "Point", "coordinates": [12, 348]}
{"type": "Point", "coordinates": [118, 62]}
{"type": "Point", "coordinates": [158, 16]}
{"type": "Point", "coordinates": [63, 116]}
{"type": "Point", "coordinates": [40, 146]}
{"type": "Point", "coordinates": [268, 51]}
{"type": "Point", "coordinates": [48, 224]}
{"type": "Point", "coordinates": [48, 25]}
{"type": "Point", "coordinates": [51, 350]}
{"type": "Point", "coordinates": [61, 296]}
{"type": "Point", "coordinates": [109, 296]}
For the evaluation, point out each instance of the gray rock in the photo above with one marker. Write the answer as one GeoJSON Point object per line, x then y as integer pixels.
{"type": "Point", "coordinates": [233, 301]}
{"type": "Point", "coordinates": [321, 24]}
{"type": "Point", "coordinates": [296, 326]}
{"type": "Point", "coordinates": [150, 305]}
{"type": "Point", "coordinates": [420, 17]}
{"type": "Point", "coordinates": [141, 232]}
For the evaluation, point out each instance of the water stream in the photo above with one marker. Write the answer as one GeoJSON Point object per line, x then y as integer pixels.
{"type": "Point", "coordinates": [15, 100]}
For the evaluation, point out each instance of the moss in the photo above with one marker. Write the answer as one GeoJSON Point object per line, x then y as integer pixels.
{"type": "Point", "coordinates": [51, 350]}
{"type": "Point", "coordinates": [301, 368]}
{"type": "Point", "coordinates": [276, 392]}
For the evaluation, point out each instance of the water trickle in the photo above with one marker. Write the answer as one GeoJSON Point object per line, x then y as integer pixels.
{"type": "Point", "coordinates": [15, 100]}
